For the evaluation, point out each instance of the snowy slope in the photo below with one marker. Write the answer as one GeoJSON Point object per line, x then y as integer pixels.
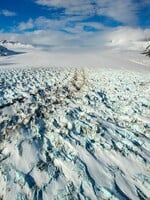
{"type": "Point", "coordinates": [107, 58]}
{"type": "Point", "coordinates": [6, 52]}
{"type": "Point", "coordinates": [74, 134]}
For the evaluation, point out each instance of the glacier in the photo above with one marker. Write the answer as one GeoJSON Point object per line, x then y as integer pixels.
{"type": "Point", "coordinates": [74, 133]}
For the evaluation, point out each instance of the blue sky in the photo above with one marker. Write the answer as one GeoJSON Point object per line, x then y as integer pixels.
{"type": "Point", "coordinates": [74, 22]}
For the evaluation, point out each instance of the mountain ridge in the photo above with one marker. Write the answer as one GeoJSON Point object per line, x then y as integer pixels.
{"type": "Point", "coordinates": [12, 44]}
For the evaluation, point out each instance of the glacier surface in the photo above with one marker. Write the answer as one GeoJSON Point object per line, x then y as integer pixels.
{"type": "Point", "coordinates": [74, 134]}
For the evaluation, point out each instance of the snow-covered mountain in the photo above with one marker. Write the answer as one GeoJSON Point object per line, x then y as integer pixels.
{"type": "Point", "coordinates": [13, 44]}
{"type": "Point", "coordinates": [6, 52]}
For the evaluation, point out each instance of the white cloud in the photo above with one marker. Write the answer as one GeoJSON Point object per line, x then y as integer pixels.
{"type": "Point", "coordinates": [128, 38]}
{"type": "Point", "coordinates": [55, 39]}
{"type": "Point", "coordinates": [7, 13]}
{"type": "Point", "coordinates": [78, 7]}
{"type": "Point", "coordinates": [122, 37]}
{"type": "Point", "coordinates": [120, 10]}
{"type": "Point", "coordinates": [54, 32]}
{"type": "Point", "coordinates": [26, 25]}
{"type": "Point", "coordinates": [70, 29]}
{"type": "Point", "coordinates": [69, 25]}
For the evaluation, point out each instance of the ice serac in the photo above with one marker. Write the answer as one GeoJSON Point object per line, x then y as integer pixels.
{"type": "Point", "coordinates": [74, 134]}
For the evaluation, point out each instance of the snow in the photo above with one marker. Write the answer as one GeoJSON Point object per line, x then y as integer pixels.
{"type": "Point", "coordinates": [14, 45]}
{"type": "Point", "coordinates": [75, 133]}
{"type": "Point", "coordinates": [108, 58]}
{"type": "Point", "coordinates": [6, 52]}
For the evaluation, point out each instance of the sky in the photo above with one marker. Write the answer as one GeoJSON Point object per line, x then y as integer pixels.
{"type": "Point", "coordinates": [76, 24]}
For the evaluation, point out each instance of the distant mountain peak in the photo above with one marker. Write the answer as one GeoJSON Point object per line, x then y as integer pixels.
{"type": "Point", "coordinates": [6, 52]}
{"type": "Point", "coordinates": [8, 43]}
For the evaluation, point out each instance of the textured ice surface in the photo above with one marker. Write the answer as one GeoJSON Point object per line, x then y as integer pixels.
{"type": "Point", "coordinates": [74, 134]}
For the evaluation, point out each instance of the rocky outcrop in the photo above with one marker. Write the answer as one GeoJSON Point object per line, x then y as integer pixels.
{"type": "Point", "coordinates": [147, 51]}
